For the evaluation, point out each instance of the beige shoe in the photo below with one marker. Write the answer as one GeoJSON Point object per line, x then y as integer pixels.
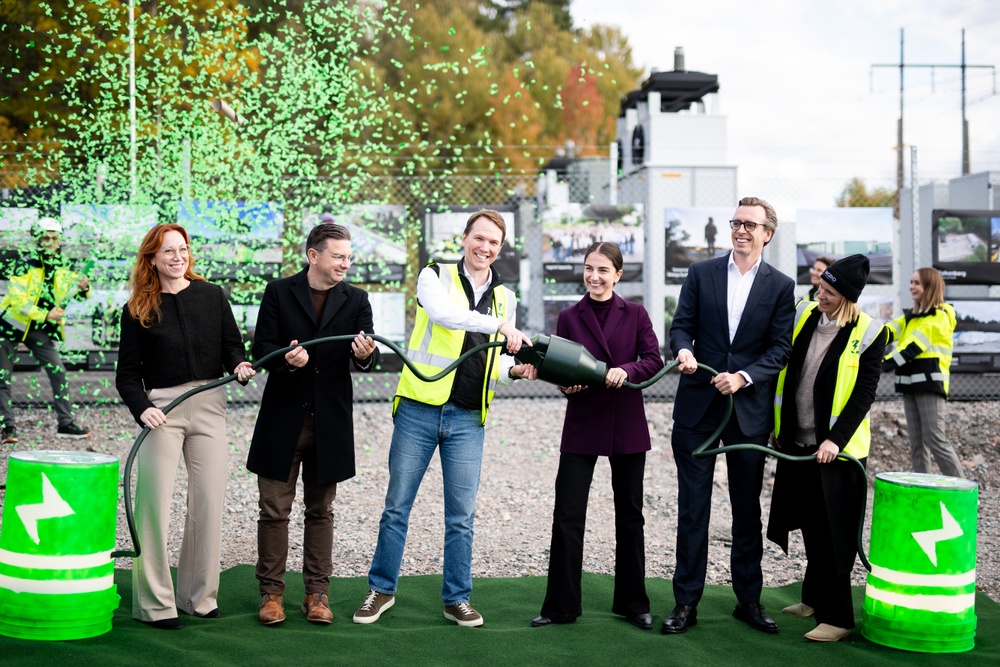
{"type": "Point", "coordinates": [271, 609]}
{"type": "Point", "coordinates": [316, 608]}
{"type": "Point", "coordinates": [801, 610]}
{"type": "Point", "coordinates": [827, 633]}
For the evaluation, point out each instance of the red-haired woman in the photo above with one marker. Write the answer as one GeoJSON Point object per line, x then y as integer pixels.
{"type": "Point", "coordinates": [177, 333]}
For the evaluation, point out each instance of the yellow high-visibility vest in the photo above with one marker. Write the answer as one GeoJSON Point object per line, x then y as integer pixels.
{"type": "Point", "coordinates": [433, 348]}
{"type": "Point", "coordinates": [19, 307]}
{"type": "Point", "coordinates": [933, 335]}
{"type": "Point", "coordinates": [862, 335]}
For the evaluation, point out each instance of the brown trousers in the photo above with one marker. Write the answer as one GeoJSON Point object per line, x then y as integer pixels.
{"type": "Point", "coordinates": [276, 498]}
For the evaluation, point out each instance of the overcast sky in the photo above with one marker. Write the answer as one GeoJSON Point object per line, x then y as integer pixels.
{"type": "Point", "coordinates": [806, 111]}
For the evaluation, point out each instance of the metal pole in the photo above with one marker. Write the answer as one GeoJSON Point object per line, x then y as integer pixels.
{"type": "Point", "coordinates": [186, 169]}
{"type": "Point", "coordinates": [131, 102]}
{"type": "Point", "coordinates": [914, 205]}
{"type": "Point", "coordinates": [899, 131]}
{"type": "Point", "coordinates": [965, 123]}
{"type": "Point", "coordinates": [613, 171]}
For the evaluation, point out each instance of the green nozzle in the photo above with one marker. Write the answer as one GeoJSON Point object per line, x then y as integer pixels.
{"type": "Point", "coordinates": [563, 362]}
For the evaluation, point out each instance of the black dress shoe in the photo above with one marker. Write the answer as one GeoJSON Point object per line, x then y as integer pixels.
{"type": "Point", "coordinates": [214, 613]}
{"type": "Point", "coordinates": [166, 624]}
{"type": "Point", "coordinates": [755, 616]}
{"type": "Point", "coordinates": [681, 618]}
{"type": "Point", "coordinates": [642, 621]}
{"type": "Point", "coordinates": [542, 621]}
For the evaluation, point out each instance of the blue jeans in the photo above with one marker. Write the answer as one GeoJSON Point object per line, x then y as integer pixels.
{"type": "Point", "coordinates": [419, 430]}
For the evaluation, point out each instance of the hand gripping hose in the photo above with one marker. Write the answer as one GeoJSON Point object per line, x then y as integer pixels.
{"type": "Point", "coordinates": [703, 450]}
{"type": "Point", "coordinates": [256, 365]}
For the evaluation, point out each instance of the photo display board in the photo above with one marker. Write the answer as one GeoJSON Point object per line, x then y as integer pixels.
{"type": "Point", "coordinates": [839, 232]}
{"type": "Point", "coordinates": [966, 246]}
{"type": "Point", "coordinates": [442, 240]}
{"type": "Point", "coordinates": [692, 235]}
{"type": "Point", "coordinates": [568, 230]}
{"type": "Point", "coordinates": [378, 238]}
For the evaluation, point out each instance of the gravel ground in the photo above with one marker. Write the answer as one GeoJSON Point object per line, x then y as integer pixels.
{"type": "Point", "coordinates": [516, 493]}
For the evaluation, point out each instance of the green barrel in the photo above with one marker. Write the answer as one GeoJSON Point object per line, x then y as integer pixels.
{"type": "Point", "coordinates": [58, 532]}
{"type": "Point", "coordinates": [920, 593]}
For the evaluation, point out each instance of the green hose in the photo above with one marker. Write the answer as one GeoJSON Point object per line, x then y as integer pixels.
{"type": "Point", "coordinates": [703, 451]}
{"type": "Point", "coordinates": [130, 519]}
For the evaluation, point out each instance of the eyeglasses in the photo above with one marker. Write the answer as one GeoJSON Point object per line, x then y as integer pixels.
{"type": "Point", "coordinates": [749, 226]}
{"type": "Point", "coordinates": [182, 251]}
{"type": "Point", "coordinates": [342, 258]}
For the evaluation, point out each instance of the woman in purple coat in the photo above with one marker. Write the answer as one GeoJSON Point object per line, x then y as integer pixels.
{"type": "Point", "coordinates": [603, 421]}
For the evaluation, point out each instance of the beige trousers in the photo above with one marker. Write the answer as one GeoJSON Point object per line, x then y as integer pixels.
{"type": "Point", "coordinates": [197, 429]}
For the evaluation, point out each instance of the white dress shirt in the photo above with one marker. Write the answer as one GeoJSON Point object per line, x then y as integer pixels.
{"type": "Point", "coordinates": [444, 312]}
{"type": "Point", "coordinates": [738, 286]}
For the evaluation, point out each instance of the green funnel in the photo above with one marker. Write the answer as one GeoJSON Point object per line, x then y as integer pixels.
{"type": "Point", "coordinates": [563, 362]}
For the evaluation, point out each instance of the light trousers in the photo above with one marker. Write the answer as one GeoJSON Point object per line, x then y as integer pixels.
{"type": "Point", "coordinates": [196, 430]}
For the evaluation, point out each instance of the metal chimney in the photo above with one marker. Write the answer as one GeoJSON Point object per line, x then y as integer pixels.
{"type": "Point", "coordinates": [679, 59]}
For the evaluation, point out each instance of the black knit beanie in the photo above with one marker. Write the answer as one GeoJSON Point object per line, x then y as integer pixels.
{"type": "Point", "coordinates": [848, 276]}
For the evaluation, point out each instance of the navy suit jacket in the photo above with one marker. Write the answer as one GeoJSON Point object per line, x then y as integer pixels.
{"type": "Point", "coordinates": [601, 421]}
{"type": "Point", "coordinates": [761, 346]}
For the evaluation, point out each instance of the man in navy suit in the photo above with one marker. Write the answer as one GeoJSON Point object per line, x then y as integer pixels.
{"type": "Point", "coordinates": [735, 315]}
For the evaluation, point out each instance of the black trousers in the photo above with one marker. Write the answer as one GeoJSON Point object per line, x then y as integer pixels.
{"type": "Point", "coordinates": [694, 504]}
{"type": "Point", "coordinates": [563, 597]}
{"type": "Point", "coordinates": [824, 588]}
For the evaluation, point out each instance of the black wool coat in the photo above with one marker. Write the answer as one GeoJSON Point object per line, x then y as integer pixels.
{"type": "Point", "coordinates": [841, 481]}
{"type": "Point", "coordinates": [322, 387]}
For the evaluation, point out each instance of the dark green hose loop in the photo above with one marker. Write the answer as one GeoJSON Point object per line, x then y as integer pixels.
{"type": "Point", "coordinates": [703, 449]}
{"type": "Point", "coordinates": [130, 519]}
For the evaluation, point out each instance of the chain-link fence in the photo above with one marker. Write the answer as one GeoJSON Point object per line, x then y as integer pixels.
{"type": "Point", "coordinates": [663, 219]}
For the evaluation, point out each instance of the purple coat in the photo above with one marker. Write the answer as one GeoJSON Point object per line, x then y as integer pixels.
{"type": "Point", "coordinates": [606, 421]}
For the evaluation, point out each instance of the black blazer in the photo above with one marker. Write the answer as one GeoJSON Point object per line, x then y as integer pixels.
{"type": "Point", "coordinates": [195, 338]}
{"type": "Point", "coordinates": [761, 346]}
{"type": "Point", "coordinates": [323, 386]}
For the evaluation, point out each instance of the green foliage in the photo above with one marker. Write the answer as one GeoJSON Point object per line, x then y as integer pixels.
{"type": "Point", "coordinates": [857, 194]}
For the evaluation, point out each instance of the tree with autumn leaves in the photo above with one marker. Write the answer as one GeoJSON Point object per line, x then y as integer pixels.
{"type": "Point", "coordinates": [327, 90]}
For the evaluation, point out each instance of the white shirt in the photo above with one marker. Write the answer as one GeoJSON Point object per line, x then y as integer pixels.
{"type": "Point", "coordinates": [738, 287]}
{"type": "Point", "coordinates": [444, 312]}
{"type": "Point", "coordinates": [738, 290]}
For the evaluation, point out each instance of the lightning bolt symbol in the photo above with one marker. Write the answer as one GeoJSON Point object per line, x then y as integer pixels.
{"type": "Point", "coordinates": [51, 507]}
{"type": "Point", "coordinates": [928, 539]}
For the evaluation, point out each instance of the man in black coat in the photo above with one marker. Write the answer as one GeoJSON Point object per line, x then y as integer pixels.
{"type": "Point", "coordinates": [735, 315]}
{"type": "Point", "coordinates": [306, 414]}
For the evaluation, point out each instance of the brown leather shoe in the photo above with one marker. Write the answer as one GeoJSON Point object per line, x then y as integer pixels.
{"type": "Point", "coordinates": [316, 608]}
{"type": "Point", "coordinates": [271, 610]}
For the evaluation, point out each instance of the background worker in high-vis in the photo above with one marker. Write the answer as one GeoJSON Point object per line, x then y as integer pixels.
{"type": "Point", "coordinates": [32, 313]}
{"type": "Point", "coordinates": [459, 306]}
{"type": "Point", "coordinates": [821, 408]}
{"type": "Point", "coordinates": [921, 359]}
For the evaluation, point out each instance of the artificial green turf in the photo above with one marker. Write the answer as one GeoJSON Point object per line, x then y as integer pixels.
{"type": "Point", "coordinates": [415, 632]}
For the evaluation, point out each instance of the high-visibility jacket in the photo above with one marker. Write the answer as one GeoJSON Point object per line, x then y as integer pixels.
{"type": "Point", "coordinates": [922, 355]}
{"type": "Point", "coordinates": [432, 348]}
{"type": "Point", "coordinates": [19, 307]}
{"type": "Point", "coordinates": [863, 333]}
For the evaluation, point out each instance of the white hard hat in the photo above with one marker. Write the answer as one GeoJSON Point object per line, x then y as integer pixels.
{"type": "Point", "coordinates": [49, 225]}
